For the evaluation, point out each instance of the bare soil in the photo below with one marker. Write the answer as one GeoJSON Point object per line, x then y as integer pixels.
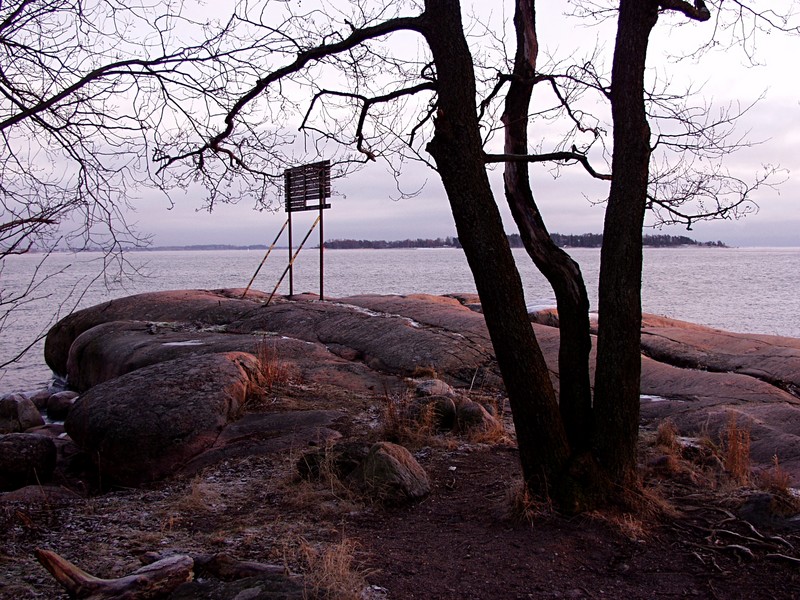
{"type": "Point", "coordinates": [465, 540]}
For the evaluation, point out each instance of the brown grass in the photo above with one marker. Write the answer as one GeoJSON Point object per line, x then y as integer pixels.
{"type": "Point", "coordinates": [326, 495]}
{"type": "Point", "coordinates": [736, 451]}
{"type": "Point", "coordinates": [275, 372]}
{"type": "Point", "coordinates": [775, 479]}
{"type": "Point", "coordinates": [406, 423]}
{"type": "Point", "coordinates": [332, 572]}
{"type": "Point", "coordinates": [523, 507]}
{"type": "Point", "coordinates": [201, 496]}
{"type": "Point", "coordinates": [667, 437]}
{"type": "Point", "coordinates": [427, 372]}
{"type": "Point", "coordinates": [495, 433]}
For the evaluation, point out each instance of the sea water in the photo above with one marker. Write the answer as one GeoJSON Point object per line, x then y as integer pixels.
{"type": "Point", "coordinates": [739, 289]}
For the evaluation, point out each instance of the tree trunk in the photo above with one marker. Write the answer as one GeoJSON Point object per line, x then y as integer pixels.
{"type": "Point", "coordinates": [563, 273]}
{"type": "Point", "coordinates": [617, 380]}
{"type": "Point", "coordinates": [456, 147]}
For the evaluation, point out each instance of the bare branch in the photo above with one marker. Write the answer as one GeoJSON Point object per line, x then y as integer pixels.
{"type": "Point", "coordinates": [696, 11]}
{"type": "Point", "coordinates": [302, 60]}
{"type": "Point", "coordinates": [549, 157]}
{"type": "Point", "coordinates": [366, 103]}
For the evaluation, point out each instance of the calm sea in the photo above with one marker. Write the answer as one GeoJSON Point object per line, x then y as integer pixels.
{"type": "Point", "coordinates": [739, 289]}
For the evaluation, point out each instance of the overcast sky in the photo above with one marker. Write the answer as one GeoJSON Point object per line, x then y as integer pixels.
{"type": "Point", "coordinates": [363, 208]}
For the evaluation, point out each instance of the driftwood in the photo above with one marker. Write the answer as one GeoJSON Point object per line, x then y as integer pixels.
{"type": "Point", "coordinates": [226, 568]}
{"type": "Point", "coordinates": [223, 566]}
{"type": "Point", "coordinates": [151, 581]}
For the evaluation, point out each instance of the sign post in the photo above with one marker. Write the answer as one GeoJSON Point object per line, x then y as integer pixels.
{"type": "Point", "coordinates": [306, 188]}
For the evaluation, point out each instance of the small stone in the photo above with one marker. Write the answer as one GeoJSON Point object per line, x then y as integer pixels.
{"type": "Point", "coordinates": [338, 461]}
{"type": "Point", "coordinates": [443, 411]}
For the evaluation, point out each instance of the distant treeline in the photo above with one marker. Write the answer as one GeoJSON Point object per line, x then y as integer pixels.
{"type": "Point", "coordinates": [448, 242]}
{"type": "Point", "coordinates": [595, 240]}
{"type": "Point", "coordinates": [584, 240]}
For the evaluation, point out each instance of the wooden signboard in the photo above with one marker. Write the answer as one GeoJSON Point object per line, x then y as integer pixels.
{"type": "Point", "coordinates": [307, 187]}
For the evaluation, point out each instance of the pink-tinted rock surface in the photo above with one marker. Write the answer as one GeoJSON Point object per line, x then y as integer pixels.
{"type": "Point", "coordinates": [150, 422]}
{"type": "Point", "coordinates": [695, 375]}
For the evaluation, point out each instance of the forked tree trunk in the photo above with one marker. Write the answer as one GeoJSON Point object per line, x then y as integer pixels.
{"type": "Point", "coordinates": [563, 273]}
{"type": "Point", "coordinates": [456, 147]}
{"type": "Point", "coordinates": [617, 381]}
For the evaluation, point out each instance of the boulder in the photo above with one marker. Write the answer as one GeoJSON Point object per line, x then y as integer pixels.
{"type": "Point", "coordinates": [391, 343]}
{"type": "Point", "coordinates": [442, 409]}
{"type": "Point", "coordinates": [391, 475]}
{"type": "Point", "coordinates": [770, 358]}
{"type": "Point", "coordinates": [257, 434]}
{"type": "Point", "coordinates": [18, 413]}
{"type": "Point", "coordinates": [369, 343]}
{"type": "Point", "coordinates": [40, 398]}
{"type": "Point", "coordinates": [25, 458]}
{"type": "Point", "coordinates": [471, 416]}
{"type": "Point", "coordinates": [146, 424]}
{"type": "Point", "coordinates": [111, 349]}
{"type": "Point", "coordinates": [58, 405]}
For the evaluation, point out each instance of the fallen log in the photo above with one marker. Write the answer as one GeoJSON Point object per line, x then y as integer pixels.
{"type": "Point", "coordinates": [151, 581]}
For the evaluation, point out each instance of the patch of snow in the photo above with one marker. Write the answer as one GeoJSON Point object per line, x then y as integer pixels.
{"type": "Point", "coordinates": [651, 398]}
{"type": "Point", "coordinates": [375, 313]}
{"type": "Point", "coordinates": [535, 308]}
{"type": "Point", "coordinates": [186, 343]}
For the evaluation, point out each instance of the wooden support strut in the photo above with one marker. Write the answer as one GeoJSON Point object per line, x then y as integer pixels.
{"type": "Point", "coordinates": [291, 262]}
{"type": "Point", "coordinates": [263, 260]}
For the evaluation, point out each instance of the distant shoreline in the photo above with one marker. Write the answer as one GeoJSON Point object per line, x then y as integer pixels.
{"type": "Point", "coordinates": [585, 240]}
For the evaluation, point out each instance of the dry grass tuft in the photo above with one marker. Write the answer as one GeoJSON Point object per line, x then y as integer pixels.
{"type": "Point", "coordinates": [275, 372]}
{"type": "Point", "coordinates": [667, 437]}
{"type": "Point", "coordinates": [405, 422]}
{"type": "Point", "coordinates": [332, 572]}
{"type": "Point", "coordinates": [627, 524]}
{"type": "Point", "coordinates": [325, 494]}
{"type": "Point", "coordinates": [775, 479]}
{"type": "Point", "coordinates": [523, 507]}
{"type": "Point", "coordinates": [427, 372]}
{"type": "Point", "coordinates": [736, 451]}
{"type": "Point", "coordinates": [495, 432]}
{"type": "Point", "coordinates": [202, 496]}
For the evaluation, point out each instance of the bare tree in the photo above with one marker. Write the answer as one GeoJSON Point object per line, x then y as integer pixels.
{"type": "Point", "coordinates": [617, 383]}
{"type": "Point", "coordinates": [88, 90]}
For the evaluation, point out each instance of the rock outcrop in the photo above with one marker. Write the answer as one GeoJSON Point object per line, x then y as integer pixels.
{"type": "Point", "coordinates": [370, 345]}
